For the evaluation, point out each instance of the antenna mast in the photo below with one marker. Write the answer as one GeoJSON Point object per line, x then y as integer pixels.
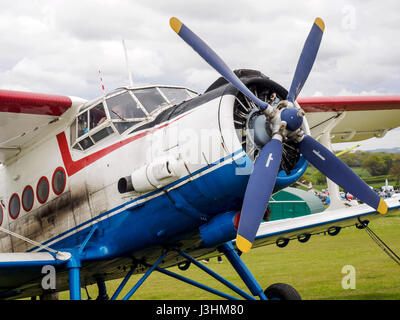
{"type": "Point", "coordinates": [127, 64]}
{"type": "Point", "coordinates": [101, 82]}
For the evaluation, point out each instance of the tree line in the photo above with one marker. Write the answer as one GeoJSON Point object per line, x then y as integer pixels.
{"type": "Point", "coordinates": [372, 167]}
{"type": "Point", "coordinates": [376, 163]}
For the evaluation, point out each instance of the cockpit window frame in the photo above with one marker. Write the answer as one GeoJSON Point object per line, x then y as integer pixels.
{"type": "Point", "coordinates": [158, 108]}
{"type": "Point", "coordinates": [110, 122]}
{"type": "Point", "coordinates": [134, 98]}
{"type": "Point", "coordinates": [91, 131]}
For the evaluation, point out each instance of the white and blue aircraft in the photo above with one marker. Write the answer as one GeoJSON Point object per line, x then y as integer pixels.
{"type": "Point", "coordinates": [146, 178]}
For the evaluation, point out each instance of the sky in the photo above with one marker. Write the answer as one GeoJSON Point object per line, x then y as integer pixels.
{"type": "Point", "coordinates": [59, 46]}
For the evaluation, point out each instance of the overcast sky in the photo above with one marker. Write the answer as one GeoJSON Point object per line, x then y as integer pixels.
{"type": "Point", "coordinates": [59, 46]}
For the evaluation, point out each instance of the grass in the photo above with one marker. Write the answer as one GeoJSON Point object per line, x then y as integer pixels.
{"type": "Point", "coordinates": [313, 268]}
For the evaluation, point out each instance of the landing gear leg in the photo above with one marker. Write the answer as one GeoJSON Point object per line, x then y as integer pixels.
{"type": "Point", "coordinates": [74, 267]}
{"type": "Point", "coordinates": [101, 285]}
{"type": "Point", "coordinates": [237, 263]}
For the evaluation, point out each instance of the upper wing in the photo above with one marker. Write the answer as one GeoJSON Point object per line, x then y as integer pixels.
{"type": "Point", "coordinates": [27, 117]}
{"type": "Point", "coordinates": [361, 117]}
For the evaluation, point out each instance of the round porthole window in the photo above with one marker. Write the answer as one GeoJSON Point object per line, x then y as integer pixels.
{"type": "Point", "coordinates": [59, 181]}
{"type": "Point", "coordinates": [27, 198]}
{"type": "Point", "coordinates": [14, 207]}
{"type": "Point", "coordinates": [42, 190]}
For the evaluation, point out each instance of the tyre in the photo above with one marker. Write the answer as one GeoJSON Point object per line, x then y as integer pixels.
{"type": "Point", "coordinates": [282, 291]}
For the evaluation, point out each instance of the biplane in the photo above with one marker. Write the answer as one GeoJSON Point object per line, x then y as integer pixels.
{"type": "Point", "coordinates": [145, 178]}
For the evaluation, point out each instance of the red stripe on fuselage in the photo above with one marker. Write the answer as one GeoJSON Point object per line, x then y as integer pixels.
{"type": "Point", "coordinates": [73, 167]}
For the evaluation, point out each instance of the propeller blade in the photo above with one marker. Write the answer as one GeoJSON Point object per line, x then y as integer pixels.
{"type": "Point", "coordinates": [306, 59]}
{"type": "Point", "coordinates": [259, 189]}
{"type": "Point", "coordinates": [337, 171]}
{"type": "Point", "coordinates": [213, 60]}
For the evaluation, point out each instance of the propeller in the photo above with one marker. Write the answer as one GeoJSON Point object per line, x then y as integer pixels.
{"type": "Point", "coordinates": [336, 170]}
{"type": "Point", "coordinates": [259, 189]}
{"type": "Point", "coordinates": [214, 60]}
{"type": "Point", "coordinates": [307, 58]}
{"type": "Point", "coordinates": [283, 121]}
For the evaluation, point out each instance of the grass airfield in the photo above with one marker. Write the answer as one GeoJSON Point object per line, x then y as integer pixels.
{"type": "Point", "coordinates": [313, 268]}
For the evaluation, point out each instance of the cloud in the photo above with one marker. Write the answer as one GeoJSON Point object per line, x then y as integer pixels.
{"type": "Point", "coordinates": [58, 46]}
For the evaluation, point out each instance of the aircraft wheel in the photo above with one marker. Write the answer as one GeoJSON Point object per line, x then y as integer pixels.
{"type": "Point", "coordinates": [282, 291]}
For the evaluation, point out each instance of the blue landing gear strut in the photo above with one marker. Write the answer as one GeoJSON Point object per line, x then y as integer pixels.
{"type": "Point", "coordinates": [232, 256]}
{"type": "Point", "coordinates": [237, 263]}
{"type": "Point", "coordinates": [74, 266]}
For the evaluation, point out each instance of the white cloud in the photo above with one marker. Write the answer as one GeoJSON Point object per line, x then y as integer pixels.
{"type": "Point", "coordinates": [357, 53]}
{"type": "Point", "coordinates": [58, 46]}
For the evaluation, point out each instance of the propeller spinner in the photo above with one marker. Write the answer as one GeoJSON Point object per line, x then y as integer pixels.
{"type": "Point", "coordinates": [284, 119]}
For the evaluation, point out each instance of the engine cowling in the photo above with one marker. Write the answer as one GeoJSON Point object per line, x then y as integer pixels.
{"type": "Point", "coordinates": [250, 124]}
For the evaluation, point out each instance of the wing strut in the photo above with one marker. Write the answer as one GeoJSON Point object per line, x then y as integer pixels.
{"type": "Point", "coordinates": [391, 254]}
{"type": "Point", "coordinates": [59, 255]}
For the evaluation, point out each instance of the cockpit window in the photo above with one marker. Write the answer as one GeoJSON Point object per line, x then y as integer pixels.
{"type": "Point", "coordinates": [99, 135]}
{"type": "Point", "coordinates": [97, 115]}
{"type": "Point", "coordinates": [83, 127]}
{"type": "Point", "coordinates": [91, 126]}
{"type": "Point", "coordinates": [123, 107]}
{"type": "Point", "coordinates": [150, 98]}
{"type": "Point", "coordinates": [86, 143]}
{"type": "Point", "coordinates": [176, 95]}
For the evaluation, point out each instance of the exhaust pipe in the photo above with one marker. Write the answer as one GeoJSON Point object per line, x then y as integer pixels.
{"type": "Point", "coordinates": [155, 175]}
{"type": "Point", "coordinates": [125, 185]}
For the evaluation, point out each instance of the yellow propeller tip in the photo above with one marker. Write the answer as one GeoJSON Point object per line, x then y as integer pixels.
{"type": "Point", "coordinates": [320, 23]}
{"type": "Point", "coordinates": [382, 207]}
{"type": "Point", "coordinates": [175, 24]}
{"type": "Point", "coordinates": [243, 244]}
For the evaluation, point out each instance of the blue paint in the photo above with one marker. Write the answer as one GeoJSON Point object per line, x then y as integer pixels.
{"type": "Point", "coordinates": [123, 283]}
{"type": "Point", "coordinates": [242, 270]}
{"type": "Point", "coordinates": [217, 63]}
{"type": "Point", "coordinates": [306, 61]}
{"type": "Point", "coordinates": [196, 284]}
{"type": "Point", "coordinates": [144, 277]}
{"type": "Point", "coordinates": [219, 230]}
{"type": "Point", "coordinates": [82, 247]}
{"type": "Point", "coordinates": [74, 283]}
{"type": "Point", "coordinates": [259, 189]}
{"type": "Point", "coordinates": [283, 180]}
{"type": "Point", "coordinates": [337, 171]}
{"type": "Point", "coordinates": [217, 276]}
{"type": "Point", "coordinates": [74, 267]}
{"type": "Point", "coordinates": [293, 121]}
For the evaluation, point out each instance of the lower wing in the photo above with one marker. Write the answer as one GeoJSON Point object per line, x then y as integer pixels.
{"type": "Point", "coordinates": [280, 231]}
